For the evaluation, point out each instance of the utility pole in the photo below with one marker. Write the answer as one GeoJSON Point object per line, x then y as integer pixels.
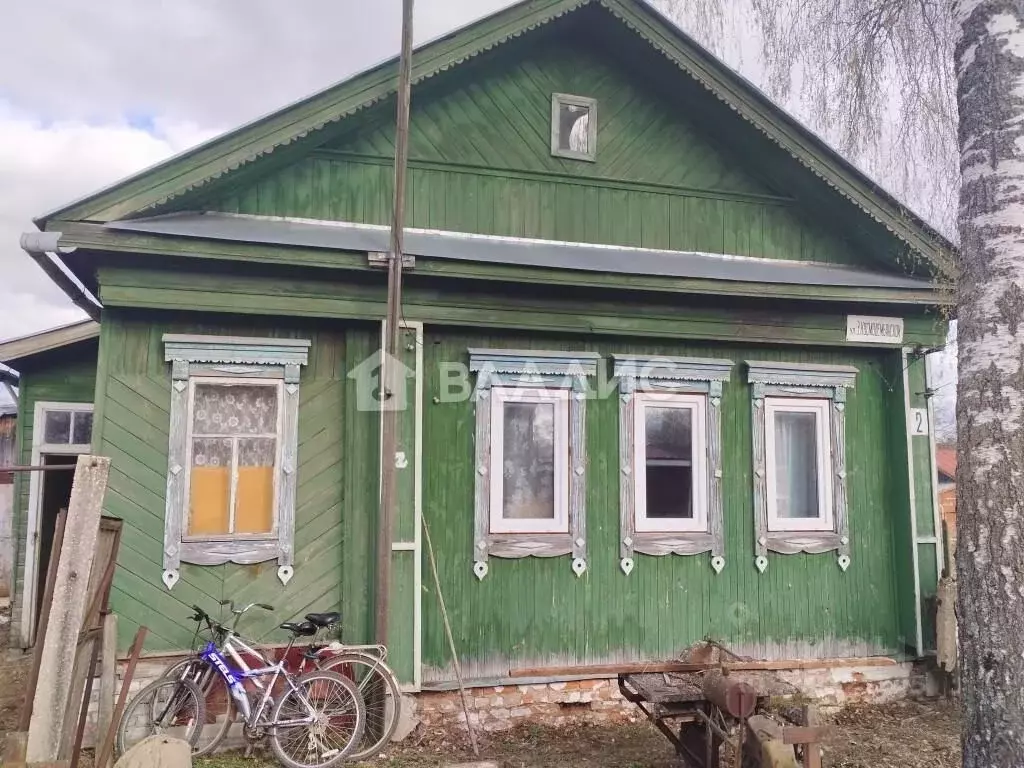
{"type": "Point", "coordinates": [390, 377]}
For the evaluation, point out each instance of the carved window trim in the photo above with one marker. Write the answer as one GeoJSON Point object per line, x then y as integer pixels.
{"type": "Point", "coordinates": [801, 381]}
{"type": "Point", "coordinates": [531, 370]}
{"type": "Point", "coordinates": [670, 375]}
{"type": "Point", "coordinates": [239, 359]}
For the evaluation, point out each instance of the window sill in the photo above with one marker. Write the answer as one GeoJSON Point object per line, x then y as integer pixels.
{"type": "Point", "coordinates": [240, 551]}
{"type": "Point", "coordinates": [673, 542]}
{"type": "Point", "coordinates": [529, 544]}
{"type": "Point", "coordinates": [811, 542]}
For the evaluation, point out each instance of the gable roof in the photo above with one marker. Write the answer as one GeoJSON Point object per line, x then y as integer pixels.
{"type": "Point", "coordinates": [146, 192]}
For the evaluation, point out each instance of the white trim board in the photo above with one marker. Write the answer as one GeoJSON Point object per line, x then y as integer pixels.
{"type": "Point", "coordinates": [416, 545]}
{"type": "Point", "coordinates": [30, 577]}
{"type": "Point", "coordinates": [919, 637]}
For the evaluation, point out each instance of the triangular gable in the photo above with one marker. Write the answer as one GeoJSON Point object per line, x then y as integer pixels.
{"type": "Point", "coordinates": [147, 191]}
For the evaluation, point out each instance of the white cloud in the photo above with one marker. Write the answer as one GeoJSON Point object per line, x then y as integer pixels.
{"type": "Point", "coordinates": [44, 166]}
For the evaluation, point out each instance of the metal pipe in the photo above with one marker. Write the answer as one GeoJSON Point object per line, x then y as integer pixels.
{"type": "Point", "coordinates": [41, 246]}
{"type": "Point", "coordinates": [45, 468]}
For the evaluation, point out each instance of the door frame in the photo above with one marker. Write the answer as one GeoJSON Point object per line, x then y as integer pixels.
{"type": "Point", "coordinates": [40, 449]}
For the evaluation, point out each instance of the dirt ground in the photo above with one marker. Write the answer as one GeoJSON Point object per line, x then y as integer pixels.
{"type": "Point", "coordinates": [907, 734]}
{"type": "Point", "coordinates": [911, 734]}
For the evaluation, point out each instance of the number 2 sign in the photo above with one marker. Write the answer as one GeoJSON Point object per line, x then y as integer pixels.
{"type": "Point", "coordinates": [918, 421]}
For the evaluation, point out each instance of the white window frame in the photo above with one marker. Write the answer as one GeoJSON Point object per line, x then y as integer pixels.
{"type": "Point", "coordinates": [559, 399]}
{"type": "Point", "coordinates": [697, 404]}
{"type": "Point", "coordinates": [278, 386]}
{"type": "Point", "coordinates": [821, 408]}
{"type": "Point", "coordinates": [42, 408]}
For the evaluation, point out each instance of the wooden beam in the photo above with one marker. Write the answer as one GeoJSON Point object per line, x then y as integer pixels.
{"type": "Point", "coordinates": [57, 667]}
{"type": "Point", "coordinates": [611, 670]}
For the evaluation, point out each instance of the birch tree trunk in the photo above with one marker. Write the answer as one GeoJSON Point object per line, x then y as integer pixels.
{"type": "Point", "coordinates": [990, 411]}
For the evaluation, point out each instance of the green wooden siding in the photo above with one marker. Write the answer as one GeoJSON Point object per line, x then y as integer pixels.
{"type": "Point", "coordinates": [133, 433]}
{"type": "Point", "coordinates": [480, 162]}
{"type": "Point", "coordinates": [65, 377]}
{"type": "Point", "coordinates": [533, 612]}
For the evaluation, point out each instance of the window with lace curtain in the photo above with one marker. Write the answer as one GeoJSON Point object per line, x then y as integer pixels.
{"type": "Point", "coordinates": [232, 451]}
{"type": "Point", "coordinates": [233, 458]}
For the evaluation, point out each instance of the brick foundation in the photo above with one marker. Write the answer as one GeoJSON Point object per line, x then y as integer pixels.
{"type": "Point", "coordinates": [496, 708]}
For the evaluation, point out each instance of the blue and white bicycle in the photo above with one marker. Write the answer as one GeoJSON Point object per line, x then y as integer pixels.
{"type": "Point", "coordinates": [314, 720]}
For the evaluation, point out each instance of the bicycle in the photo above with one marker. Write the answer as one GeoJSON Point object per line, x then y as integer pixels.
{"type": "Point", "coordinates": [316, 723]}
{"type": "Point", "coordinates": [366, 666]}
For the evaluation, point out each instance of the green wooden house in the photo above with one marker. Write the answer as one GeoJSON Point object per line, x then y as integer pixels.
{"type": "Point", "coordinates": [663, 372]}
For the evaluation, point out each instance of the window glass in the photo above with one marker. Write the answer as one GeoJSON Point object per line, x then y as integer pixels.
{"type": "Point", "coordinates": [57, 429]}
{"type": "Point", "coordinates": [210, 487]}
{"type": "Point", "coordinates": [668, 462]}
{"type": "Point", "coordinates": [528, 470]}
{"type": "Point", "coordinates": [574, 128]}
{"type": "Point", "coordinates": [82, 427]}
{"type": "Point", "coordinates": [234, 459]}
{"type": "Point", "coordinates": [796, 465]}
{"type": "Point", "coordinates": [235, 410]}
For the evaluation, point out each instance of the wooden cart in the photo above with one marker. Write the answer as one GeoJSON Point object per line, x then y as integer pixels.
{"type": "Point", "coordinates": [702, 710]}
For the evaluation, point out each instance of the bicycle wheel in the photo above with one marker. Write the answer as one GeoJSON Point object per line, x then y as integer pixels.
{"type": "Point", "coordinates": [336, 730]}
{"type": "Point", "coordinates": [381, 698]}
{"type": "Point", "coordinates": [165, 707]}
{"type": "Point", "coordinates": [220, 707]}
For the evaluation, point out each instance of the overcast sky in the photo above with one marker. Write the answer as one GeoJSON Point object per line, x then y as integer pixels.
{"type": "Point", "coordinates": [90, 92]}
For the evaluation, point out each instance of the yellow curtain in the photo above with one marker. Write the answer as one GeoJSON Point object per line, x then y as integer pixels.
{"type": "Point", "coordinates": [210, 496]}
{"type": "Point", "coordinates": [254, 500]}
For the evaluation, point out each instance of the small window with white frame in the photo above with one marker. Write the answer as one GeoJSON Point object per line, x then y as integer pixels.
{"type": "Point", "coordinates": [530, 459]}
{"type": "Point", "coordinates": [670, 452]}
{"type": "Point", "coordinates": [798, 445]}
{"type": "Point", "coordinates": [232, 448]}
{"type": "Point", "coordinates": [67, 425]}
{"type": "Point", "coordinates": [798, 415]}
{"type": "Point", "coordinates": [573, 127]}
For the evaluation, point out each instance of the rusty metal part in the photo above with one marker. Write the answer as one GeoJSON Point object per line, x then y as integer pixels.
{"type": "Point", "coordinates": [106, 750]}
{"type": "Point", "coordinates": [734, 697]}
{"type": "Point", "coordinates": [40, 468]}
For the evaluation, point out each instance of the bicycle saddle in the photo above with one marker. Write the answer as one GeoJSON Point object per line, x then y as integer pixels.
{"type": "Point", "coordinates": [324, 619]}
{"type": "Point", "coordinates": [304, 629]}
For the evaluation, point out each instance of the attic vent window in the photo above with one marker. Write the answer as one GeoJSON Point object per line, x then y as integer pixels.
{"type": "Point", "coordinates": [573, 127]}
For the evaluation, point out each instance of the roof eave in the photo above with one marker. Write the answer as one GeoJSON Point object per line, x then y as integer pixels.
{"type": "Point", "coordinates": [33, 344]}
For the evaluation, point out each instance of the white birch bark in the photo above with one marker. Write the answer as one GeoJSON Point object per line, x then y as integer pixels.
{"type": "Point", "coordinates": [990, 411]}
